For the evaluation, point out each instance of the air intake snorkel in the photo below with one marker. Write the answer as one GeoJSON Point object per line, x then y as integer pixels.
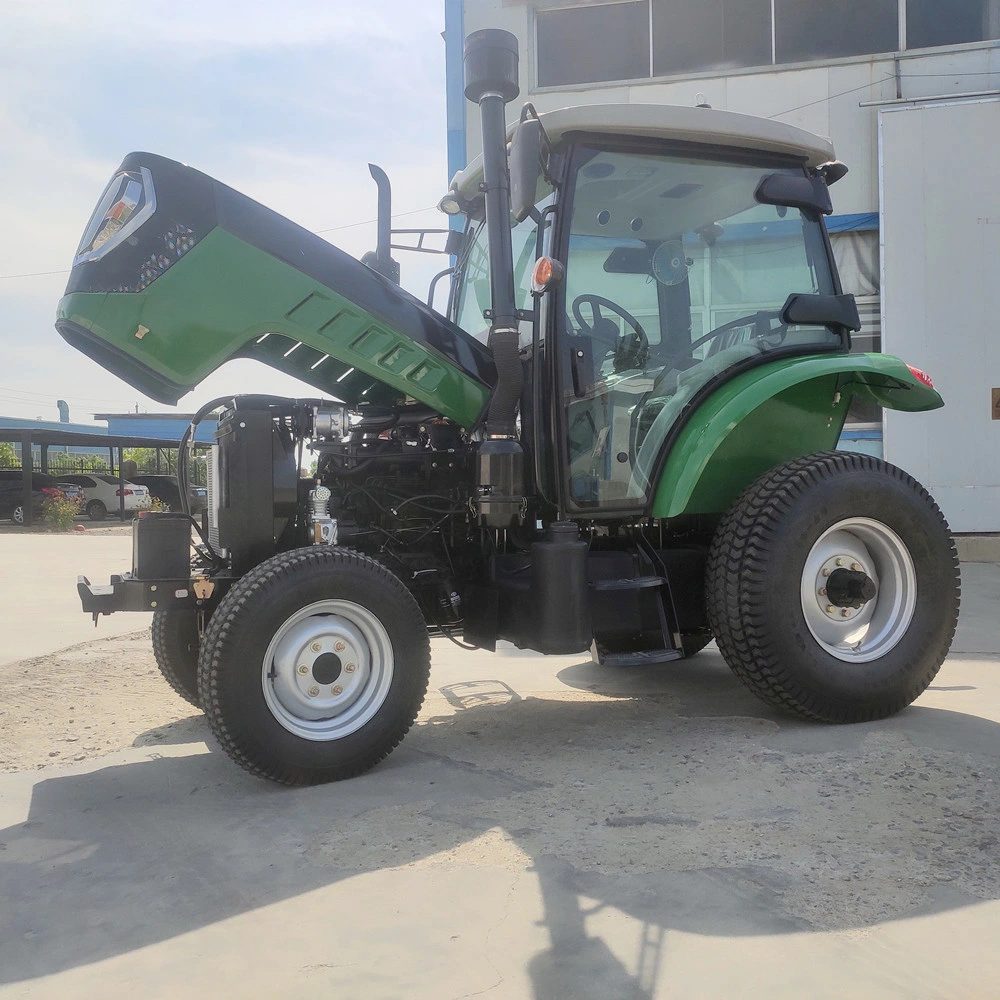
{"type": "Point", "coordinates": [491, 58]}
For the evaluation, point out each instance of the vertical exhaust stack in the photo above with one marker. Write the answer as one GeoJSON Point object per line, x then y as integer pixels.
{"type": "Point", "coordinates": [491, 82]}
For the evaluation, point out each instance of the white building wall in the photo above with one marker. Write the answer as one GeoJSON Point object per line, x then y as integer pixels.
{"type": "Point", "coordinates": [821, 97]}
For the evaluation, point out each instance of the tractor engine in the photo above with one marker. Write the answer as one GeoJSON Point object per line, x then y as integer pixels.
{"type": "Point", "coordinates": [392, 482]}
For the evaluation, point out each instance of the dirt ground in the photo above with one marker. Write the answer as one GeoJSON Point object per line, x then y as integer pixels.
{"type": "Point", "coordinates": [580, 752]}
{"type": "Point", "coordinates": [83, 702]}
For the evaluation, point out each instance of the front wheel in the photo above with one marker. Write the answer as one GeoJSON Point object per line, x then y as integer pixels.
{"type": "Point", "coordinates": [314, 666]}
{"type": "Point", "coordinates": [833, 588]}
{"type": "Point", "coordinates": [175, 649]}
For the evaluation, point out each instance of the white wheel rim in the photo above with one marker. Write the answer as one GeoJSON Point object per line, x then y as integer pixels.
{"type": "Point", "coordinates": [327, 671]}
{"type": "Point", "coordinates": [18, 516]}
{"type": "Point", "coordinates": [859, 635]}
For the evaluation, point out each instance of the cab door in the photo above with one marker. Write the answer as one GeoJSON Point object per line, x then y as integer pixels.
{"type": "Point", "coordinates": [675, 277]}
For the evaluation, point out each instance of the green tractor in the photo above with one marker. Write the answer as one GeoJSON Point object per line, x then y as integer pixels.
{"type": "Point", "coordinates": [620, 438]}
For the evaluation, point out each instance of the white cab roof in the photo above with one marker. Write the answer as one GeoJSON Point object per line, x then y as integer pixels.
{"type": "Point", "coordinates": [664, 121]}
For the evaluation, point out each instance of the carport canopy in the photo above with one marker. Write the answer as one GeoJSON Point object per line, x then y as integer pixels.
{"type": "Point", "coordinates": [46, 436]}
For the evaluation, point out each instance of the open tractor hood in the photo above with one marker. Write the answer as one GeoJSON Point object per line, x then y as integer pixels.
{"type": "Point", "coordinates": [177, 274]}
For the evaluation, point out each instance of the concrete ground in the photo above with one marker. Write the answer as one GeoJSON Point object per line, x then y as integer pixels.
{"type": "Point", "coordinates": [39, 606]}
{"type": "Point", "coordinates": [548, 829]}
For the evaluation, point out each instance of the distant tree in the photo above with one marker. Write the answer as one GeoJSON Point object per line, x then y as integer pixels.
{"type": "Point", "coordinates": [8, 457]}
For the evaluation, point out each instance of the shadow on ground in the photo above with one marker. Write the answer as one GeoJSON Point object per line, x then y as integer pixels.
{"type": "Point", "coordinates": [674, 797]}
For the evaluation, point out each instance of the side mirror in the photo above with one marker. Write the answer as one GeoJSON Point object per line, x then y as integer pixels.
{"type": "Point", "coordinates": [795, 191]}
{"type": "Point", "coordinates": [525, 161]}
{"type": "Point", "coordinates": [821, 310]}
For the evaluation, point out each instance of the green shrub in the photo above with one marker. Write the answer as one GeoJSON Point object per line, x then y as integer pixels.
{"type": "Point", "coordinates": [58, 512]}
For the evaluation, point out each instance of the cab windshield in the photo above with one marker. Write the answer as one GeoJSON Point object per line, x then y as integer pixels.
{"type": "Point", "coordinates": [674, 274]}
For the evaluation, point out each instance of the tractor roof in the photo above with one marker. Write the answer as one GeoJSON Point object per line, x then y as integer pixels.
{"type": "Point", "coordinates": [663, 121]}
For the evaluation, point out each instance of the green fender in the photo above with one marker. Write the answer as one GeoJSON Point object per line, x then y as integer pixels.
{"type": "Point", "coordinates": [773, 414]}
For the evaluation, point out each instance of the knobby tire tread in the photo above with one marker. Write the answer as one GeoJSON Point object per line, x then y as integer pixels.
{"type": "Point", "coordinates": [736, 576]}
{"type": "Point", "coordinates": [220, 627]}
{"type": "Point", "coordinates": [183, 678]}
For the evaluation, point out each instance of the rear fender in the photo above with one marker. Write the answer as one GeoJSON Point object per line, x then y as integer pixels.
{"type": "Point", "coordinates": [772, 414]}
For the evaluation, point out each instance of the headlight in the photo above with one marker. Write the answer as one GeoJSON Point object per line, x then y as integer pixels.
{"type": "Point", "coordinates": [128, 201]}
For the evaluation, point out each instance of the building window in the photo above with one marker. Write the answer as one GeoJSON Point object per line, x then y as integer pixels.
{"type": "Point", "coordinates": [593, 43]}
{"type": "Point", "coordinates": [806, 30]}
{"type": "Point", "coordinates": [598, 42]}
{"type": "Point", "coordinates": [710, 34]}
{"type": "Point", "coordinates": [931, 22]}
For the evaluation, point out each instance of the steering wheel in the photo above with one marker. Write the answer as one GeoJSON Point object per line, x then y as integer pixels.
{"type": "Point", "coordinates": [631, 349]}
{"type": "Point", "coordinates": [765, 338]}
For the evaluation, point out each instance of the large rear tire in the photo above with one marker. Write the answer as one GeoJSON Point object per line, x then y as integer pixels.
{"type": "Point", "coordinates": [314, 666]}
{"type": "Point", "coordinates": [175, 648]}
{"type": "Point", "coordinates": [833, 588]}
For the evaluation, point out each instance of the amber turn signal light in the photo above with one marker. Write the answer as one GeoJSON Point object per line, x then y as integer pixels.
{"type": "Point", "coordinates": [547, 272]}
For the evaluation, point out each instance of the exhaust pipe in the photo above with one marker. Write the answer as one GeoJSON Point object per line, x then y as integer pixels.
{"type": "Point", "coordinates": [491, 58]}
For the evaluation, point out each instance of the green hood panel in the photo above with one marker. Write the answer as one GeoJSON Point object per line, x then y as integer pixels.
{"type": "Point", "coordinates": [211, 275]}
{"type": "Point", "coordinates": [772, 414]}
{"type": "Point", "coordinates": [222, 298]}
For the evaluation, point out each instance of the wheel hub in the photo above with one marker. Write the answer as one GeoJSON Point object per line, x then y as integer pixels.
{"type": "Point", "coordinates": [848, 588]}
{"type": "Point", "coordinates": [858, 589]}
{"type": "Point", "coordinates": [327, 670]}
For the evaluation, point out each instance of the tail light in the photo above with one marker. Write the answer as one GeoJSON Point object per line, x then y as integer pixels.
{"type": "Point", "coordinates": [128, 201]}
{"type": "Point", "coordinates": [921, 376]}
{"type": "Point", "coordinates": [124, 493]}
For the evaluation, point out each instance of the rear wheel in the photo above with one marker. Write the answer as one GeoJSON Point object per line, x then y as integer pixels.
{"type": "Point", "coordinates": [175, 648]}
{"type": "Point", "coordinates": [96, 510]}
{"type": "Point", "coordinates": [833, 588]}
{"type": "Point", "coordinates": [314, 666]}
{"type": "Point", "coordinates": [17, 515]}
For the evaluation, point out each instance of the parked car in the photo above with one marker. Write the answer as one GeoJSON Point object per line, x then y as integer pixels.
{"type": "Point", "coordinates": [167, 489]}
{"type": "Point", "coordinates": [101, 494]}
{"type": "Point", "coordinates": [42, 486]}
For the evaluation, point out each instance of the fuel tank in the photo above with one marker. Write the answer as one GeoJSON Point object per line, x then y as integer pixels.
{"type": "Point", "coordinates": [178, 273]}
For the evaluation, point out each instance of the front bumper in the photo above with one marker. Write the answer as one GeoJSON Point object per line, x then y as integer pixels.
{"type": "Point", "coordinates": [127, 593]}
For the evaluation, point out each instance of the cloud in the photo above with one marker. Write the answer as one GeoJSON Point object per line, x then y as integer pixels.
{"type": "Point", "coordinates": [286, 104]}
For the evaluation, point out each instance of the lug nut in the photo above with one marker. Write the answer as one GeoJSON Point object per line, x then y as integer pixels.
{"type": "Point", "coordinates": [856, 567]}
{"type": "Point", "coordinates": [840, 562]}
{"type": "Point", "coordinates": [316, 647]}
{"type": "Point", "coordinates": [826, 572]}
{"type": "Point", "coordinates": [830, 609]}
{"type": "Point", "coordinates": [303, 669]}
{"type": "Point", "coordinates": [313, 691]}
{"type": "Point", "coordinates": [846, 612]}
{"type": "Point", "coordinates": [337, 689]}
{"type": "Point", "coordinates": [340, 646]}
{"type": "Point", "coordinates": [350, 668]}
{"type": "Point", "coordinates": [822, 591]}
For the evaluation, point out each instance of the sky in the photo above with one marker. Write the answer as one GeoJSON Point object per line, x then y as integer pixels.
{"type": "Point", "coordinates": [287, 103]}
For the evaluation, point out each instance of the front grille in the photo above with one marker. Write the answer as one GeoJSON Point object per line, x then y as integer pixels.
{"type": "Point", "coordinates": [214, 492]}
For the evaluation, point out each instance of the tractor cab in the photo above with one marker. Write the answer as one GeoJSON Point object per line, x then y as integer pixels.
{"type": "Point", "coordinates": [657, 252]}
